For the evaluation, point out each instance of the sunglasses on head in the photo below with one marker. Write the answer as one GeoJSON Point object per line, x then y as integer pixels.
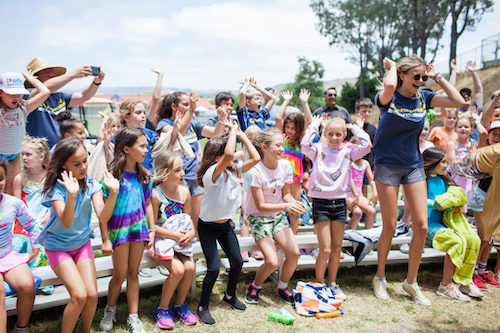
{"type": "Point", "coordinates": [331, 94]}
{"type": "Point", "coordinates": [417, 77]}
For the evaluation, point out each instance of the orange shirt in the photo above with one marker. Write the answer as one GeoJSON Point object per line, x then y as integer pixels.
{"type": "Point", "coordinates": [440, 136]}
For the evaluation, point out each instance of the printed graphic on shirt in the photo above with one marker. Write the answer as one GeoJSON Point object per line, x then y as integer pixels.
{"type": "Point", "coordinates": [317, 188]}
{"type": "Point", "coordinates": [336, 175]}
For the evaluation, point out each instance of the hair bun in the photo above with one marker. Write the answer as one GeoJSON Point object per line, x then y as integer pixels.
{"type": "Point", "coordinates": [65, 115]}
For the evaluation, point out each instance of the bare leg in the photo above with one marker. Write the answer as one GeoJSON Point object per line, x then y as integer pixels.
{"type": "Point", "coordinates": [21, 279]}
{"type": "Point", "coordinates": [245, 228]}
{"type": "Point", "coordinates": [369, 210]}
{"type": "Point", "coordinates": [176, 272]}
{"type": "Point", "coordinates": [271, 260]}
{"type": "Point", "coordinates": [195, 211]}
{"type": "Point", "coordinates": [3, 312]}
{"type": "Point", "coordinates": [185, 283]}
{"type": "Point", "coordinates": [406, 210]}
{"type": "Point", "coordinates": [337, 235]}
{"type": "Point", "coordinates": [388, 197]}
{"type": "Point", "coordinates": [88, 273]}
{"type": "Point", "coordinates": [448, 270]}
{"type": "Point", "coordinates": [485, 248]}
{"type": "Point", "coordinates": [324, 235]}
{"type": "Point", "coordinates": [286, 240]}
{"type": "Point", "coordinates": [120, 267]}
{"type": "Point", "coordinates": [416, 195]}
{"type": "Point", "coordinates": [13, 169]}
{"type": "Point", "coordinates": [136, 250]}
{"type": "Point", "coordinates": [294, 219]}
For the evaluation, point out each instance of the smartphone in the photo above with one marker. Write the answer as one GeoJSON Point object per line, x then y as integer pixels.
{"type": "Point", "coordinates": [96, 71]}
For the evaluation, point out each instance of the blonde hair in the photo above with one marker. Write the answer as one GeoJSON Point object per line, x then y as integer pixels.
{"type": "Point", "coordinates": [407, 63]}
{"type": "Point", "coordinates": [251, 92]}
{"type": "Point", "coordinates": [40, 146]}
{"type": "Point", "coordinates": [336, 121]}
{"type": "Point", "coordinates": [252, 131]}
{"type": "Point", "coordinates": [127, 107]}
{"type": "Point", "coordinates": [265, 137]}
{"type": "Point", "coordinates": [163, 162]}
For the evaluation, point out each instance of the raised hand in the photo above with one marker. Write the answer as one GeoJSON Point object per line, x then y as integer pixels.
{"type": "Point", "coordinates": [157, 70]}
{"type": "Point", "coordinates": [316, 119]}
{"type": "Point", "coordinates": [193, 100]}
{"type": "Point", "coordinates": [360, 121]}
{"type": "Point", "coordinates": [109, 130]}
{"type": "Point", "coordinates": [101, 76]}
{"type": "Point", "coordinates": [110, 182]}
{"type": "Point", "coordinates": [69, 182]}
{"type": "Point", "coordinates": [287, 95]}
{"type": "Point", "coordinates": [388, 63]}
{"type": "Point", "coordinates": [431, 70]}
{"type": "Point", "coordinates": [80, 72]}
{"type": "Point", "coordinates": [471, 66]}
{"type": "Point", "coordinates": [453, 65]}
{"type": "Point", "coordinates": [304, 95]}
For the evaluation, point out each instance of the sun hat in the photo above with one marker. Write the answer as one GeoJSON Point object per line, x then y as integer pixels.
{"type": "Point", "coordinates": [39, 64]}
{"type": "Point", "coordinates": [493, 125]}
{"type": "Point", "coordinates": [12, 84]}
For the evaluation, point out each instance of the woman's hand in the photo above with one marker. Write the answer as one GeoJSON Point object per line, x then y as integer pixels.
{"type": "Point", "coordinates": [388, 63]}
{"type": "Point", "coordinates": [431, 70]}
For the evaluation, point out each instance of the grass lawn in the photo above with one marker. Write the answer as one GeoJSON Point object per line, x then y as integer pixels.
{"type": "Point", "coordinates": [363, 312]}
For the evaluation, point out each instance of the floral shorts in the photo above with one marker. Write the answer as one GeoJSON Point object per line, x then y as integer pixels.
{"type": "Point", "coordinates": [267, 226]}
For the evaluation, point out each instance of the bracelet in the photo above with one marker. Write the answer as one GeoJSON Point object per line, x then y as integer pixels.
{"type": "Point", "coordinates": [438, 78]}
{"type": "Point", "coordinates": [97, 84]}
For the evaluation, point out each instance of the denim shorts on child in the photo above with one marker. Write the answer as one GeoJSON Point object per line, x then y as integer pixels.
{"type": "Point", "coordinates": [10, 157]}
{"type": "Point", "coordinates": [11, 260]}
{"type": "Point", "coordinates": [81, 253]}
{"type": "Point", "coordinates": [328, 209]}
{"type": "Point", "coordinates": [267, 226]}
{"type": "Point", "coordinates": [194, 188]}
{"type": "Point", "coordinates": [395, 176]}
{"type": "Point", "coordinates": [476, 200]}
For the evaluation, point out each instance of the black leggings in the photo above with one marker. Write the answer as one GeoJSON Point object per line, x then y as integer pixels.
{"type": "Point", "coordinates": [210, 233]}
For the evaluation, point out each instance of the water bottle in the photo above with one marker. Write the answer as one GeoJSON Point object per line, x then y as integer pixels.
{"type": "Point", "coordinates": [280, 318]}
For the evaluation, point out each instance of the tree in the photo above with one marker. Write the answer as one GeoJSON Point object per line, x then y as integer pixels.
{"type": "Point", "coordinates": [464, 15]}
{"type": "Point", "coordinates": [350, 93]}
{"type": "Point", "coordinates": [310, 77]}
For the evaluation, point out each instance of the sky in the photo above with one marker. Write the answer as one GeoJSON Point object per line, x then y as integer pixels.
{"type": "Point", "coordinates": [199, 44]}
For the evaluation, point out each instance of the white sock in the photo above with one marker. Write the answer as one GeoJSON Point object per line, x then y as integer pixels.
{"type": "Point", "coordinates": [133, 315]}
{"type": "Point", "coordinates": [111, 308]}
{"type": "Point", "coordinates": [256, 286]}
{"type": "Point", "coordinates": [282, 285]}
{"type": "Point", "coordinates": [410, 284]}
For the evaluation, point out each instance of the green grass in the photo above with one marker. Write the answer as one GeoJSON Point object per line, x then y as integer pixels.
{"type": "Point", "coordinates": [363, 312]}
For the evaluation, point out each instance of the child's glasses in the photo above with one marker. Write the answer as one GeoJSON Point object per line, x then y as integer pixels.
{"type": "Point", "coordinates": [417, 77]}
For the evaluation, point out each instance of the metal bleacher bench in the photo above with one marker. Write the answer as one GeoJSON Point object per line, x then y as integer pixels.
{"type": "Point", "coordinates": [104, 266]}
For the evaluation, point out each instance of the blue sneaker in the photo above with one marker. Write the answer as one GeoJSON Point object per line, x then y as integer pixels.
{"type": "Point", "coordinates": [186, 316]}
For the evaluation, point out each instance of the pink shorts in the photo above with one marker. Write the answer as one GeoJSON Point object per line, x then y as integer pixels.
{"type": "Point", "coordinates": [82, 253]}
{"type": "Point", "coordinates": [12, 260]}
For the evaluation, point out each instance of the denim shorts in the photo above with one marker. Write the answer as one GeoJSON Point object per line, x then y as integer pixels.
{"type": "Point", "coordinates": [10, 157]}
{"type": "Point", "coordinates": [395, 176]}
{"type": "Point", "coordinates": [327, 209]}
{"type": "Point", "coordinates": [476, 201]}
{"type": "Point", "coordinates": [194, 188]}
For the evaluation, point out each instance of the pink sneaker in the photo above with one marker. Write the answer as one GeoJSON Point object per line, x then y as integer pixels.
{"type": "Point", "coordinates": [164, 319]}
{"type": "Point", "coordinates": [20, 330]}
{"type": "Point", "coordinates": [183, 312]}
{"type": "Point", "coordinates": [476, 279]}
{"type": "Point", "coordinates": [486, 277]}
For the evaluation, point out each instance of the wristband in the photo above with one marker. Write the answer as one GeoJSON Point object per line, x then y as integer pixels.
{"type": "Point", "coordinates": [97, 84]}
{"type": "Point", "coordinates": [438, 78]}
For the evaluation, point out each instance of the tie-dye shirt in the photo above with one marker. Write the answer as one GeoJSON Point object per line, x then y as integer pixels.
{"type": "Point", "coordinates": [129, 222]}
{"type": "Point", "coordinates": [10, 209]}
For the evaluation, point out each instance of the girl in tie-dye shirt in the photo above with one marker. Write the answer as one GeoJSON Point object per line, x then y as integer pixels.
{"type": "Point", "coordinates": [13, 265]}
{"type": "Point", "coordinates": [131, 225]}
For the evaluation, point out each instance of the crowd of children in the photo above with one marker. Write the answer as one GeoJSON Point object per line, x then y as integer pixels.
{"type": "Point", "coordinates": [154, 189]}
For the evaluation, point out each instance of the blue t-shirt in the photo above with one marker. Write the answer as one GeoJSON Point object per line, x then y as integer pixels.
{"type": "Point", "coordinates": [192, 135]}
{"type": "Point", "coordinates": [55, 236]}
{"type": "Point", "coordinates": [248, 118]}
{"type": "Point", "coordinates": [42, 121]}
{"type": "Point", "coordinates": [402, 120]}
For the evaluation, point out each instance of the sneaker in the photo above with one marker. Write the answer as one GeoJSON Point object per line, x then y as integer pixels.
{"type": "Point", "coordinates": [315, 253]}
{"type": "Point", "coordinates": [451, 291]}
{"type": "Point", "coordinates": [244, 256]}
{"type": "Point", "coordinates": [257, 255]}
{"type": "Point", "coordinates": [285, 295]}
{"type": "Point", "coordinates": [476, 279]}
{"type": "Point", "coordinates": [146, 272]}
{"type": "Point", "coordinates": [135, 325]}
{"type": "Point", "coordinates": [164, 318]}
{"type": "Point", "coordinates": [252, 296]}
{"type": "Point", "coordinates": [404, 248]}
{"type": "Point", "coordinates": [497, 276]}
{"type": "Point", "coordinates": [380, 288]}
{"type": "Point", "coordinates": [472, 290]}
{"type": "Point", "coordinates": [108, 319]}
{"type": "Point", "coordinates": [205, 316]}
{"type": "Point", "coordinates": [16, 329]}
{"type": "Point", "coordinates": [336, 289]}
{"type": "Point", "coordinates": [186, 316]}
{"type": "Point", "coordinates": [416, 294]}
{"type": "Point", "coordinates": [234, 302]}
{"type": "Point", "coordinates": [163, 270]}
{"type": "Point", "coordinates": [486, 277]}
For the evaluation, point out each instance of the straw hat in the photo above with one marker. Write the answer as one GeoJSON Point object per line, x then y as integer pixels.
{"type": "Point", "coordinates": [39, 64]}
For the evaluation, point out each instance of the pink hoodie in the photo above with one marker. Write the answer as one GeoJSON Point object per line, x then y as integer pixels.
{"type": "Point", "coordinates": [331, 173]}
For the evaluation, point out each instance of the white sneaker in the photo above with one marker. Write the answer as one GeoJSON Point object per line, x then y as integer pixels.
{"type": "Point", "coordinates": [135, 325]}
{"type": "Point", "coordinates": [108, 319]}
{"type": "Point", "coordinates": [472, 290]}
{"type": "Point", "coordinates": [404, 248]}
{"type": "Point", "coordinates": [380, 288]}
{"type": "Point", "coordinates": [336, 289]}
{"type": "Point", "coordinates": [416, 294]}
{"type": "Point", "coordinates": [451, 291]}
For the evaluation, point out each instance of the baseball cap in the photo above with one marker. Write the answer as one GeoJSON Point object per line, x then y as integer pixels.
{"type": "Point", "coordinates": [493, 125]}
{"type": "Point", "coordinates": [12, 84]}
